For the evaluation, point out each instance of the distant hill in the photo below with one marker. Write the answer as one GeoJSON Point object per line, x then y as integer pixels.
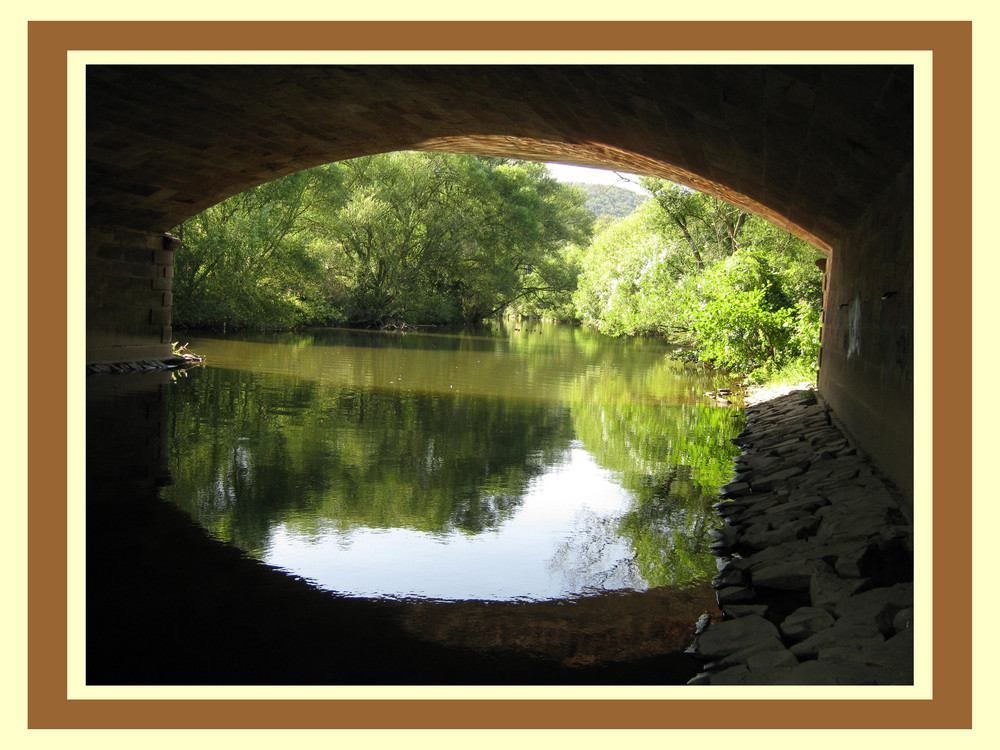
{"type": "Point", "coordinates": [610, 200]}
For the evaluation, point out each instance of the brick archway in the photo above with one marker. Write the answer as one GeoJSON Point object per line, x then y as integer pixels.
{"type": "Point", "coordinates": [825, 151]}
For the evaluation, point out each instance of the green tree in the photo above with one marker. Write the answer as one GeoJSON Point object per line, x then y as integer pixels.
{"type": "Point", "coordinates": [248, 260]}
{"type": "Point", "coordinates": [628, 274]}
{"type": "Point", "coordinates": [732, 289]}
{"type": "Point", "coordinates": [711, 228]}
{"type": "Point", "coordinates": [755, 312]}
{"type": "Point", "coordinates": [394, 238]}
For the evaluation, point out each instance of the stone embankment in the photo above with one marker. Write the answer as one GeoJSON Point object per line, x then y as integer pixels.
{"type": "Point", "coordinates": [815, 560]}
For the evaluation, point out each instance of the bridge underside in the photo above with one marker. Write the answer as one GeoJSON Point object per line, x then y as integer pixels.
{"type": "Point", "coordinates": [824, 151]}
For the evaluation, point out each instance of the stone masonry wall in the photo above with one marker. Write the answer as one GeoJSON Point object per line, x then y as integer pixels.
{"type": "Point", "coordinates": [129, 295]}
{"type": "Point", "coordinates": [867, 365]}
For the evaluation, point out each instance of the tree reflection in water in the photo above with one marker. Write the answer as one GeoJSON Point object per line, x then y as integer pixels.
{"type": "Point", "coordinates": [357, 433]}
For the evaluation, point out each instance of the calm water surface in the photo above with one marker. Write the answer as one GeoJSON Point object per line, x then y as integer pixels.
{"type": "Point", "coordinates": [519, 461]}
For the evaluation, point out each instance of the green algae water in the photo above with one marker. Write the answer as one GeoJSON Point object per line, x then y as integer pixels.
{"type": "Point", "coordinates": [515, 462]}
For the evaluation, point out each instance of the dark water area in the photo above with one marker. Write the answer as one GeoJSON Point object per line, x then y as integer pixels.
{"type": "Point", "coordinates": [524, 503]}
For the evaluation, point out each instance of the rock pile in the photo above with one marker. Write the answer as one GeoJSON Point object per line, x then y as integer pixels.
{"type": "Point", "coordinates": [815, 560]}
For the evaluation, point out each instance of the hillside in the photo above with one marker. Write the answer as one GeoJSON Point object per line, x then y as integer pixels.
{"type": "Point", "coordinates": [610, 200]}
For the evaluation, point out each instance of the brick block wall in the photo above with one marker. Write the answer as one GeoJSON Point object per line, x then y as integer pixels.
{"type": "Point", "coordinates": [129, 282]}
{"type": "Point", "coordinates": [868, 339]}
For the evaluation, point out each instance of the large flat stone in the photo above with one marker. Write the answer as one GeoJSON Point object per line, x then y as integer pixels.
{"type": "Point", "coordinates": [742, 610]}
{"type": "Point", "coordinates": [879, 606]}
{"type": "Point", "coordinates": [856, 635]}
{"type": "Point", "coordinates": [744, 655]}
{"type": "Point", "coordinates": [768, 659]}
{"type": "Point", "coordinates": [735, 489]}
{"type": "Point", "coordinates": [805, 622]}
{"type": "Point", "coordinates": [729, 636]}
{"type": "Point", "coordinates": [729, 576]}
{"type": "Point", "coordinates": [827, 589]}
{"type": "Point", "coordinates": [787, 576]}
{"type": "Point", "coordinates": [735, 595]}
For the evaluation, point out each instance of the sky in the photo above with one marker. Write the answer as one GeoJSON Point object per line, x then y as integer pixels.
{"type": "Point", "coordinates": [572, 173]}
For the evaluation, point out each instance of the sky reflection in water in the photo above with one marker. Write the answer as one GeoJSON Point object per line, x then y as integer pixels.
{"type": "Point", "coordinates": [564, 462]}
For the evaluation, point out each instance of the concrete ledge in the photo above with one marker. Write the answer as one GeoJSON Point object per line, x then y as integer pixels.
{"type": "Point", "coordinates": [141, 365]}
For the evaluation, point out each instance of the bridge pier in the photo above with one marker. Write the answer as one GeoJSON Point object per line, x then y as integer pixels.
{"type": "Point", "coordinates": [129, 295]}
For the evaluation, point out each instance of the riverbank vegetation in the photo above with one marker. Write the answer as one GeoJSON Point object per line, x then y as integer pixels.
{"type": "Point", "coordinates": [407, 239]}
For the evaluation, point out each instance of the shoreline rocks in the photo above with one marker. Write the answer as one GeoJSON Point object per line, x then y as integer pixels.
{"type": "Point", "coordinates": [815, 560]}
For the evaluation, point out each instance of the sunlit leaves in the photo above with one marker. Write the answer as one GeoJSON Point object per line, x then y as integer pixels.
{"type": "Point", "coordinates": [405, 237]}
{"type": "Point", "coordinates": [732, 289]}
{"type": "Point", "coordinates": [249, 260]}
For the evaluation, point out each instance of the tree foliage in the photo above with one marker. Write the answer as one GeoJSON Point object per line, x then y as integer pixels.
{"type": "Point", "coordinates": [730, 288]}
{"type": "Point", "coordinates": [393, 238]}
{"type": "Point", "coordinates": [425, 238]}
{"type": "Point", "coordinates": [248, 261]}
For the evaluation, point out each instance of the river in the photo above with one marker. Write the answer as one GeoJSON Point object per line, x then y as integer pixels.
{"type": "Point", "coordinates": [521, 461]}
{"type": "Point", "coordinates": [523, 503]}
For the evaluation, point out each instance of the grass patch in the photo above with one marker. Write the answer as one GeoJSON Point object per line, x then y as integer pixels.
{"type": "Point", "coordinates": [793, 373]}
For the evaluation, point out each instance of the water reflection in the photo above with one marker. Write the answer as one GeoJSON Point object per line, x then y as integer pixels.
{"type": "Point", "coordinates": [536, 462]}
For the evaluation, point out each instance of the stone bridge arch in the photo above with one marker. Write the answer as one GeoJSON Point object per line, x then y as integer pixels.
{"type": "Point", "coordinates": [824, 151]}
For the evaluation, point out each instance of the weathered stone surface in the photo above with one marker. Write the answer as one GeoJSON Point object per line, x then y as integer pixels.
{"type": "Point", "coordinates": [827, 589]}
{"type": "Point", "coordinates": [742, 610]}
{"type": "Point", "coordinates": [756, 539]}
{"type": "Point", "coordinates": [890, 661]}
{"type": "Point", "coordinates": [777, 518]}
{"type": "Point", "coordinates": [856, 494]}
{"type": "Point", "coordinates": [745, 654]}
{"type": "Point", "coordinates": [878, 606]}
{"type": "Point", "coordinates": [767, 482]}
{"type": "Point", "coordinates": [858, 562]}
{"type": "Point", "coordinates": [729, 576]}
{"type": "Point", "coordinates": [797, 528]}
{"type": "Point", "coordinates": [771, 658]}
{"type": "Point", "coordinates": [895, 650]}
{"type": "Point", "coordinates": [857, 634]}
{"type": "Point", "coordinates": [903, 620]}
{"type": "Point", "coordinates": [728, 509]}
{"type": "Point", "coordinates": [799, 549]}
{"type": "Point", "coordinates": [735, 489]}
{"type": "Point", "coordinates": [805, 503]}
{"type": "Point", "coordinates": [724, 534]}
{"type": "Point", "coordinates": [730, 636]}
{"type": "Point", "coordinates": [778, 443]}
{"type": "Point", "coordinates": [758, 503]}
{"type": "Point", "coordinates": [805, 622]}
{"type": "Point", "coordinates": [851, 526]}
{"type": "Point", "coordinates": [788, 576]}
{"type": "Point", "coordinates": [840, 653]}
{"type": "Point", "coordinates": [818, 521]}
{"type": "Point", "coordinates": [734, 595]}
